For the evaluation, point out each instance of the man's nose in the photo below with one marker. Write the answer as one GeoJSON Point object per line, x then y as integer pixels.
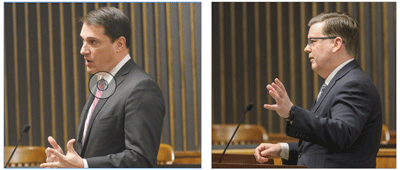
{"type": "Point", "coordinates": [84, 49]}
{"type": "Point", "coordinates": [307, 49]}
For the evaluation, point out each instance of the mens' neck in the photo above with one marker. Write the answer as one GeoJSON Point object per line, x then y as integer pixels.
{"type": "Point", "coordinates": [338, 59]}
{"type": "Point", "coordinates": [337, 69]}
{"type": "Point", "coordinates": [119, 65]}
{"type": "Point", "coordinates": [118, 57]}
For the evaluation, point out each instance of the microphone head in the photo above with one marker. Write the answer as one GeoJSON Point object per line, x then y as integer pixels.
{"type": "Point", "coordinates": [249, 106]}
{"type": "Point", "coordinates": [26, 128]}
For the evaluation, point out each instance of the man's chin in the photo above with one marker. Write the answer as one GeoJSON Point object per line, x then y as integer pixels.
{"type": "Point", "coordinates": [314, 68]}
{"type": "Point", "coordinates": [91, 71]}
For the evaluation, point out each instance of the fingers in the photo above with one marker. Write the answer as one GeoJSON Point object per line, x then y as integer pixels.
{"type": "Point", "coordinates": [266, 152]}
{"type": "Point", "coordinates": [262, 159]}
{"type": "Point", "coordinates": [49, 157]}
{"type": "Point", "coordinates": [278, 90]}
{"type": "Point", "coordinates": [70, 146]}
{"type": "Point", "coordinates": [53, 143]}
{"type": "Point", "coordinates": [50, 165]}
{"type": "Point", "coordinates": [270, 88]}
{"type": "Point", "coordinates": [275, 91]}
{"type": "Point", "coordinates": [271, 107]}
{"type": "Point", "coordinates": [278, 87]}
{"type": "Point", "coordinates": [280, 84]}
{"type": "Point", "coordinates": [257, 153]}
{"type": "Point", "coordinates": [57, 159]}
{"type": "Point", "coordinates": [276, 96]}
{"type": "Point", "coordinates": [47, 153]}
{"type": "Point", "coordinates": [53, 158]}
{"type": "Point", "coordinates": [56, 154]}
{"type": "Point", "coordinates": [258, 150]}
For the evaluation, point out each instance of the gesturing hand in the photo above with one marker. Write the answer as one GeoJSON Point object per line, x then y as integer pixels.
{"type": "Point", "coordinates": [265, 150]}
{"type": "Point", "coordinates": [51, 157]}
{"type": "Point", "coordinates": [70, 160]}
{"type": "Point", "coordinates": [283, 104]}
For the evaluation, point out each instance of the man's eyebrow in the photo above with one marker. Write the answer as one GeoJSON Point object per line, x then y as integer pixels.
{"type": "Point", "coordinates": [90, 38]}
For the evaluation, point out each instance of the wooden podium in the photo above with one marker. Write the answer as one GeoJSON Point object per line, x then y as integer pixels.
{"type": "Point", "coordinates": [246, 161]}
{"type": "Point", "coordinates": [241, 165]}
{"type": "Point", "coordinates": [386, 157]}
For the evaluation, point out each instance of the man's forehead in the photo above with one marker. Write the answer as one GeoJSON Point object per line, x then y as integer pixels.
{"type": "Point", "coordinates": [316, 29]}
{"type": "Point", "coordinates": [91, 30]}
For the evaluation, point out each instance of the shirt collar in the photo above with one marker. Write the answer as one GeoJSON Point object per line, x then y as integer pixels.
{"type": "Point", "coordinates": [330, 77]}
{"type": "Point", "coordinates": [115, 70]}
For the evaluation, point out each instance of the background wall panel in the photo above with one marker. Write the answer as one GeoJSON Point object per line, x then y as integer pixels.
{"type": "Point", "coordinates": [283, 36]}
{"type": "Point", "coordinates": [46, 79]}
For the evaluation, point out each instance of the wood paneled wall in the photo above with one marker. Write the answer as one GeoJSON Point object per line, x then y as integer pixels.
{"type": "Point", "coordinates": [46, 83]}
{"type": "Point", "coordinates": [253, 43]}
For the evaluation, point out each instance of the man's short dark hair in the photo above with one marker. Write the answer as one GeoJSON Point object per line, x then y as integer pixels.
{"type": "Point", "coordinates": [114, 21]}
{"type": "Point", "coordinates": [340, 25]}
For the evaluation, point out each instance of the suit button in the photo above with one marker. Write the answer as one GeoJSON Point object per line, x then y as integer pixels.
{"type": "Point", "coordinates": [299, 155]}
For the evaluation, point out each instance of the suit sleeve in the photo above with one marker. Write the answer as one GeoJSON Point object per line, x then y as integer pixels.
{"type": "Point", "coordinates": [293, 152]}
{"type": "Point", "coordinates": [144, 114]}
{"type": "Point", "coordinates": [342, 119]}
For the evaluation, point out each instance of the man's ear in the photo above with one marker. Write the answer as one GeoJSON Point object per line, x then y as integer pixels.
{"type": "Point", "coordinates": [120, 44]}
{"type": "Point", "coordinates": [338, 44]}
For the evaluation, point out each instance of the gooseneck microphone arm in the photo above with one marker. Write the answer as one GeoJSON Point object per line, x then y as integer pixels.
{"type": "Point", "coordinates": [26, 129]}
{"type": "Point", "coordinates": [248, 108]}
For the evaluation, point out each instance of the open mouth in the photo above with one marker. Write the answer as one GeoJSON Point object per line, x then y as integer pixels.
{"type": "Point", "coordinates": [87, 62]}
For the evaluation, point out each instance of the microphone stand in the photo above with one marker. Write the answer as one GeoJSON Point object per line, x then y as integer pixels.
{"type": "Point", "coordinates": [26, 129]}
{"type": "Point", "coordinates": [248, 108]}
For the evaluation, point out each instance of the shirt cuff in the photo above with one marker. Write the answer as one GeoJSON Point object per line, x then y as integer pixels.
{"type": "Point", "coordinates": [284, 151]}
{"type": "Point", "coordinates": [85, 164]}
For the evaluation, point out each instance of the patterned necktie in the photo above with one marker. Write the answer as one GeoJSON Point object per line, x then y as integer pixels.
{"type": "Point", "coordinates": [100, 88]}
{"type": "Point", "coordinates": [321, 91]}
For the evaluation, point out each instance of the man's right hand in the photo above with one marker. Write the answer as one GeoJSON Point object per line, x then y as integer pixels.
{"type": "Point", "coordinates": [267, 150]}
{"type": "Point", "coordinates": [51, 157]}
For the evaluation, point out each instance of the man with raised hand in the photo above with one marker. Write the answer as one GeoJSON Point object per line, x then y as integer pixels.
{"type": "Point", "coordinates": [343, 127]}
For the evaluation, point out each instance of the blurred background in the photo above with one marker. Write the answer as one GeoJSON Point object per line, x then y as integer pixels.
{"type": "Point", "coordinates": [253, 43]}
{"type": "Point", "coordinates": [46, 83]}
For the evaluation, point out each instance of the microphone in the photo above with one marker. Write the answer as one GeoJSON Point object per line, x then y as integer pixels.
{"type": "Point", "coordinates": [248, 108]}
{"type": "Point", "coordinates": [26, 129]}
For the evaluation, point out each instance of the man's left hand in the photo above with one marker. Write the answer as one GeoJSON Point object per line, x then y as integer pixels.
{"type": "Point", "coordinates": [283, 104]}
{"type": "Point", "coordinates": [70, 160]}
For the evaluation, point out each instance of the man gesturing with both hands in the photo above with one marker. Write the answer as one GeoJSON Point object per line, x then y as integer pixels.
{"type": "Point", "coordinates": [343, 127]}
{"type": "Point", "coordinates": [123, 129]}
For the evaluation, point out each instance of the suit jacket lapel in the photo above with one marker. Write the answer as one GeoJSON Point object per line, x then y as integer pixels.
{"type": "Point", "coordinates": [81, 124]}
{"type": "Point", "coordinates": [322, 97]}
{"type": "Point", "coordinates": [96, 111]}
{"type": "Point", "coordinates": [315, 101]}
{"type": "Point", "coordinates": [119, 78]}
{"type": "Point", "coordinates": [353, 64]}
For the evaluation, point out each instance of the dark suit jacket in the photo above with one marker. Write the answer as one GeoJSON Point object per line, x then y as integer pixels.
{"type": "Point", "coordinates": [343, 129]}
{"type": "Point", "coordinates": [125, 129]}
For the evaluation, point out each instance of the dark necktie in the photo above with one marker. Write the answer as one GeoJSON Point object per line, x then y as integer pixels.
{"type": "Point", "coordinates": [321, 91]}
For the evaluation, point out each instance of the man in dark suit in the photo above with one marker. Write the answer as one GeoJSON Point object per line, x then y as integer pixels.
{"type": "Point", "coordinates": [124, 129]}
{"type": "Point", "coordinates": [343, 127]}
